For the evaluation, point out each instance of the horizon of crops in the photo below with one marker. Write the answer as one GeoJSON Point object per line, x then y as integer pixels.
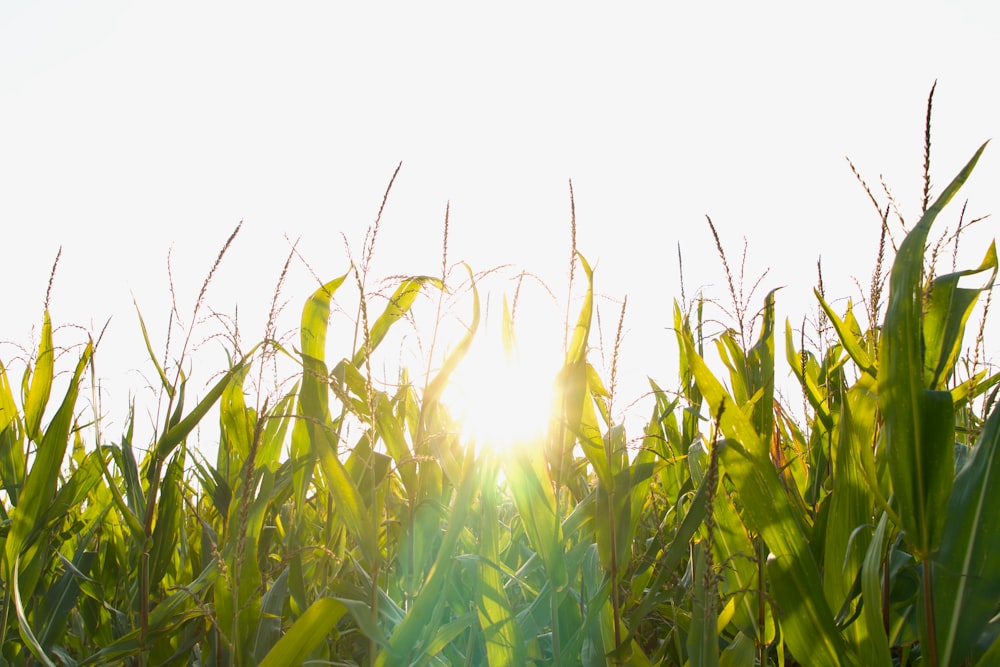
{"type": "Point", "coordinates": [348, 521]}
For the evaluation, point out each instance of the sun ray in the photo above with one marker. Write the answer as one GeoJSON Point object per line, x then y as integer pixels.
{"type": "Point", "coordinates": [501, 394]}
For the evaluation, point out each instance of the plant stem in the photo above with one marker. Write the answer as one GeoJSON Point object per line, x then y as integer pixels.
{"type": "Point", "coordinates": [930, 626]}
{"type": "Point", "coordinates": [761, 603]}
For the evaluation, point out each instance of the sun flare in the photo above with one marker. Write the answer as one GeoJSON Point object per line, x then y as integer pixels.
{"type": "Point", "coordinates": [503, 398]}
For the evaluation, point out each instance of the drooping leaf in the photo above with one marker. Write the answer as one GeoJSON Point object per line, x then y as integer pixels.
{"type": "Point", "coordinates": [314, 435]}
{"type": "Point", "coordinates": [848, 338]}
{"type": "Point", "coordinates": [399, 304]}
{"type": "Point", "coordinates": [305, 634]}
{"type": "Point", "coordinates": [947, 312]}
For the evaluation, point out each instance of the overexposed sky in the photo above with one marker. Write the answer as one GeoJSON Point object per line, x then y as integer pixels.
{"type": "Point", "coordinates": [128, 129]}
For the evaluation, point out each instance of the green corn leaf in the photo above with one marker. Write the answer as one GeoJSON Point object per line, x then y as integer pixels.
{"type": "Point", "coordinates": [361, 613]}
{"type": "Point", "coordinates": [275, 430]}
{"type": "Point", "coordinates": [731, 354]}
{"type": "Point", "coordinates": [531, 488]}
{"type": "Point", "coordinates": [597, 633]}
{"type": "Point", "coordinates": [947, 312]}
{"type": "Point", "coordinates": [919, 423]}
{"type": "Point", "coordinates": [733, 546]}
{"type": "Point", "coordinates": [806, 619]}
{"type": "Point", "coordinates": [504, 643]}
{"type": "Point", "coordinates": [622, 502]}
{"type": "Point", "coordinates": [807, 380]}
{"type": "Point", "coordinates": [848, 338]}
{"type": "Point", "coordinates": [577, 417]}
{"type": "Point", "coordinates": [682, 330]}
{"type": "Point", "coordinates": [9, 415]}
{"type": "Point", "coordinates": [367, 467]}
{"type": "Point", "coordinates": [164, 382]}
{"type": "Point", "coordinates": [305, 634]}
{"type": "Point", "coordinates": [125, 457]}
{"type": "Point", "coordinates": [237, 592]}
{"type": "Point", "coordinates": [975, 386]}
{"type": "Point", "coordinates": [315, 319]}
{"type": "Point", "coordinates": [577, 350]}
{"type": "Point", "coordinates": [236, 428]}
{"type": "Point", "coordinates": [391, 431]}
{"type": "Point", "coordinates": [175, 417]}
{"type": "Point", "coordinates": [61, 598]}
{"type": "Point", "coordinates": [739, 653]}
{"type": "Point", "coordinates": [582, 423]}
{"type": "Point", "coordinates": [314, 400]}
{"type": "Point", "coordinates": [25, 629]}
{"type": "Point", "coordinates": [346, 376]}
{"type": "Point", "coordinates": [967, 570]}
{"type": "Point", "coordinates": [165, 618]}
{"type": "Point", "coordinates": [272, 606]}
{"type": "Point", "coordinates": [672, 556]}
{"type": "Point", "coordinates": [408, 633]}
{"type": "Point", "coordinates": [445, 635]}
{"type": "Point", "coordinates": [874, 644]}
{"type": "Point", "coordinates": [991, 656]}
{"type": "Point", "coordinates": [317, 439]}
{"type": "Point", "coordinates": [169, 514]}
{"type": "Point", "coordinates": [399, 304]}
{"type": "Point", "coordinates": [13, 458]}
{"type": "Point", "coordinates": [643, 470]}
{"type": "Point", "coordinates": [760, 373]}
{"type": "Point", "coordinates": [703, 635]}
{"type": "Point", "coordinates": [437, 386]}
{"type": "Point", "coordinates": [179, 431]}
{"type": "Point", "coordinates": [852, 503]}
{"type": "Point", "coordinates": [349, 503]}
{"type": "Point", "coordinates": [131, 518]}
{"type": "Point", "coordinates": [36, 397]}
{"type": "Point", "coordinates": [41, 481]}
{"type": "Point", "coordinates": [417, 549]}
{"type": "Point", "coordinates": [77, 488]}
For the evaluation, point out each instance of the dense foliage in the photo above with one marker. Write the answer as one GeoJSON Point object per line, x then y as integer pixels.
{"type": "Point", "coordinates": [732, 534]}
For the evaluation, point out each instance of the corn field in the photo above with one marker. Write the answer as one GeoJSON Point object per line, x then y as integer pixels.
{"type": "Point", "coordinates": [344, 522]}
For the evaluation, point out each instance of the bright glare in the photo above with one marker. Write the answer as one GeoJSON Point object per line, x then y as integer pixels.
{"type": "Point", "coordinates": [503, 400]}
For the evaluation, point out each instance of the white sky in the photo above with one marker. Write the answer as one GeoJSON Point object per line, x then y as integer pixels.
{"type": "Point", "coordinates": [127, 129]}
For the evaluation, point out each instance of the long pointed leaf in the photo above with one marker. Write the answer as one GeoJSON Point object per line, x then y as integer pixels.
{"type": "Point", "coordinates": [967, 569]}
{"type": "Point", "coordinates": [37, 395]}
{"type": "Point", "coordinates": [921, 462]}
{"type": "Point", "coordinates": [40, 484]}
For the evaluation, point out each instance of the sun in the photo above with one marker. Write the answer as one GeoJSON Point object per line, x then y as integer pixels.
{"type": "Point", "coordinates": [501, 395]}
